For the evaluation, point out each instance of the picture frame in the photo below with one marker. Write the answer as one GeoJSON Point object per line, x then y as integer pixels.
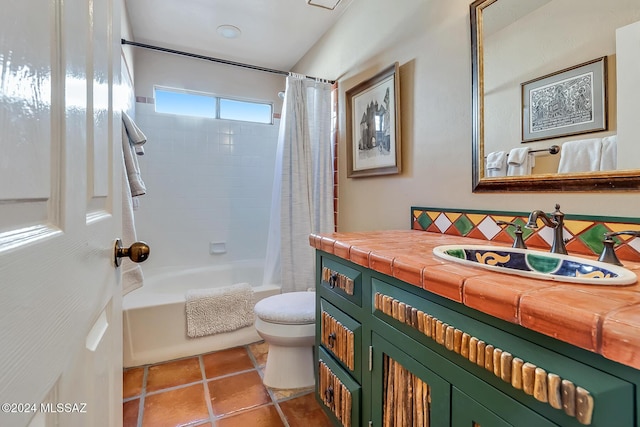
{"type": "Point", "coordinates": [373, 125]}
{"type": "Point", "coordinates": [568, 102]}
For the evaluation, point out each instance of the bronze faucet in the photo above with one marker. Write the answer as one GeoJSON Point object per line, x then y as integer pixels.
{"type": "Point", "coordinates": [608, 253]}
{"type": "Point", "coordinates": [556, 223]}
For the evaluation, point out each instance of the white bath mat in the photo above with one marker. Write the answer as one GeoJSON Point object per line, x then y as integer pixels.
{"type": "Point", "coordinates": [215, 310]}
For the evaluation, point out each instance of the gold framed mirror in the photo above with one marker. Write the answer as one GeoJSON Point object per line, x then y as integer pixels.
{"type": "Point", "coordinates": [542, 38]}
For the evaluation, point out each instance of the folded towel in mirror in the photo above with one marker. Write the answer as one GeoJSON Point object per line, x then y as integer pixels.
{"type": "Point", "coordinates": [496, 164]}
{"type": "Point", "coordinates": [580, 156]}
{"type": "Point", "coordinates": [609, 156]}
{"type": "Point", "coordinates": [520, 162]}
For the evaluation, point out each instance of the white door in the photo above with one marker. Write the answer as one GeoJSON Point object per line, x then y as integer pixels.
{"type": "Point", "coordinates": [60, 294]}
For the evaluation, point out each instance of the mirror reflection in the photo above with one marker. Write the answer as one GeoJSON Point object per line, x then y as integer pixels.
{"type": "Point", "coordinates": [557, 88]}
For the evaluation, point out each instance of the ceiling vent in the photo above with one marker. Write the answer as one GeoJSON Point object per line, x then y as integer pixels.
{"type": "Point", "coordinates": [325, 4]}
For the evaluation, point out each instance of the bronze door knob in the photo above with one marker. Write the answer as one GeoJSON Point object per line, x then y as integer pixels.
{"type": "Point", "coordinates": [137, 252]}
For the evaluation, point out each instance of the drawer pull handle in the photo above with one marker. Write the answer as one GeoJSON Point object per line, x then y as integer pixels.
{"type": "Point", "coordinates": [333, 280]}
{"type": "Point", "coordinates": [339, 339]}
{"type": "Point", "coordinates": [337, 280]}
{"type": "Point", "coordinates": [331, 339]}
{"type": "Point", "coordinates": [328, 395]}
{"type": "Point", "coordinates": [336, 396]}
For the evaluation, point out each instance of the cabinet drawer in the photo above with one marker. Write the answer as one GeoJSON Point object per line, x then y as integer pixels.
{"type": "Point", "coordinates": [342, 280]}
{"type": "Point", "coordinates": [342, 337]}
{"type": "Point", "coordinates": [339, 394]}
{"type": "Point", "coordinates": [561, 388]}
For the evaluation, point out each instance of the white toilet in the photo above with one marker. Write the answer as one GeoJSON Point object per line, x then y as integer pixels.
{"type": "Point", "coordinates": [287, 323]}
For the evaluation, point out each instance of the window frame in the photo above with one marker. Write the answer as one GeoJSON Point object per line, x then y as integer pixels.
{"type": "Point", "coordinates": [217, 99]}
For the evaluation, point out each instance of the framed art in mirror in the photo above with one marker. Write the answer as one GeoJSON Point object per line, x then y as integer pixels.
{"type": "Point", "coordinates": [568, 102]}
{"type": "Point", "coordinates": [373, 125]}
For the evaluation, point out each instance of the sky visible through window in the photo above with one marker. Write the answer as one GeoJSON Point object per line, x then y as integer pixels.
{"type": "Point", "coordinates": [247, 111]}
{"type": "Point", "coordinates": [203, 105]}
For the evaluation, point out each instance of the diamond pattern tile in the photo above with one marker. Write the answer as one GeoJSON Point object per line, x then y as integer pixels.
{"type": "Point", "coordinates": [443, 223]}
{"type": "Point", "coordinates": [489, 228]}
{"type": "Point", "coordinates": [626, 252]}
{"type": "Point", "coordinates": [424, 221]}
{"type": "Point", "coordinates": [476, 218]}
{"type": "Point", "coordinates": [453, 216]}
{"type": "Point", "coordinates": [621, 226]}
{"type": "Point", "coordinates": [577, 227]}
{"type": "Point", "coordinates": [635, 244]}
{"type": "Point", "coordinates": [546, 234]}
{"type": "Point", "coordinates": [433, 215]}
{"type": "Point", "coordinates": [504, 237]}
{"type": "Point", "coordinates": [576, 246]}
{"type": "Point", "coordinates": [593, 237]}
{"type": "Point", "coordinates": [583, 236]}
{"type": "Point", "coordinates": [463, 225]}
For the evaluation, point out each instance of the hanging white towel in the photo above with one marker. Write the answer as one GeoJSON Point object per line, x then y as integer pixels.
{"type": "Point", "coordinates": [609, 155]}
{"type": "Point", "coordinates": [136, 136]}
{"type": "Point", "coordinates": [136, 185]}
{"type": "Point", "coordinates": [132, 277]}
{"type": "Point", "coordinates": [496, 164]}
{"type": "Point", "coordinates": [520, 162]}
{"type": "Point", "coordinates": [580, 156]}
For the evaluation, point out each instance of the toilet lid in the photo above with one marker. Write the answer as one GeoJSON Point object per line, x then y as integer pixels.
{"type": "Point", "coordinates": [294, 308]}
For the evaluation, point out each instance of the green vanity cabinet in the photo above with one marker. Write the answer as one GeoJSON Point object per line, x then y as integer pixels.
{"type": "Point", "coordinates": [415, 358]}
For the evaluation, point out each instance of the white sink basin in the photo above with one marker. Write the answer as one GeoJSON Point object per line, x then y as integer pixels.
{"type": "Point", "coordinates": [537, 264]}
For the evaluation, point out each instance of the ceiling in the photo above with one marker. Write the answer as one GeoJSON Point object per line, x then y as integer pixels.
{"type": "Point", "coordinates": [274, 33]}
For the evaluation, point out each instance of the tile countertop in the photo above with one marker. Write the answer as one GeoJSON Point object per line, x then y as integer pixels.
{"type": "Point", "coordinates": [601, 319]}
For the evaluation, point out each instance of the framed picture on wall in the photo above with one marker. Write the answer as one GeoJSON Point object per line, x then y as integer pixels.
{"type": "Point", "coordinates": [567, 102]}
{"type": "Point", "coordinates": [373, 125]}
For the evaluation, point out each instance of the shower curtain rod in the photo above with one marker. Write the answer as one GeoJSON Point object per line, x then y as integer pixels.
{"type": "Point", "coordinates": [212, 59]}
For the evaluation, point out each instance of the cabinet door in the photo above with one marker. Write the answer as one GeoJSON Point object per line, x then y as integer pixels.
{"type": "Point", "coordinates": [466, 412]}
{"type": "Point", "coordinates": [404, 391]}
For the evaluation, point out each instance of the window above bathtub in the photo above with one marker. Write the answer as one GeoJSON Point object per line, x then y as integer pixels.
{"type": "Point", "coordinates": [200, 104]}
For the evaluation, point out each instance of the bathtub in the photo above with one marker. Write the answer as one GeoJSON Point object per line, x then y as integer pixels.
{"type": "Point", "coordinates": [154, 321]}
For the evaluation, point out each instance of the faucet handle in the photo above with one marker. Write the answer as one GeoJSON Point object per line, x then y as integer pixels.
{"type": "Point", "coordinates": [518, 242]}
{"type": "Point", "coordinates": [608, 252]}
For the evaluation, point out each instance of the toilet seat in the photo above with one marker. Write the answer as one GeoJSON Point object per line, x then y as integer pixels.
{"type": "Point", "coordinates": [292, 308]}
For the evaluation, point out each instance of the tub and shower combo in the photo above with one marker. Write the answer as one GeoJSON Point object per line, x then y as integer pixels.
{"type": "Point", "coordinates": [154, 320]}
{"type": "Point", "coordinates": [206, 218]}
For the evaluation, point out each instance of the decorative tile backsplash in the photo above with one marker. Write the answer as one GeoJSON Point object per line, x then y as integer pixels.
{"type": "Point", "coordinates": [583, 234]}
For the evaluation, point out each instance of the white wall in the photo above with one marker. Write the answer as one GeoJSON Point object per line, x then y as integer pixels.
{"type": "Point", "coordinates": [431, 41]}
{"type": "Point", "coordinates": [126, 32]}
{"type": "Point", "coordinates": [207, 180]}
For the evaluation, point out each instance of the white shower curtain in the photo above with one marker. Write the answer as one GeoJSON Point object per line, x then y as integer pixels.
{"type": "Point", "coordinates": [303, 184]}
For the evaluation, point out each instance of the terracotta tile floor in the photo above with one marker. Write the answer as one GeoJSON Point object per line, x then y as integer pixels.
{"type": "Point", "coordinates": [221, 389]}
